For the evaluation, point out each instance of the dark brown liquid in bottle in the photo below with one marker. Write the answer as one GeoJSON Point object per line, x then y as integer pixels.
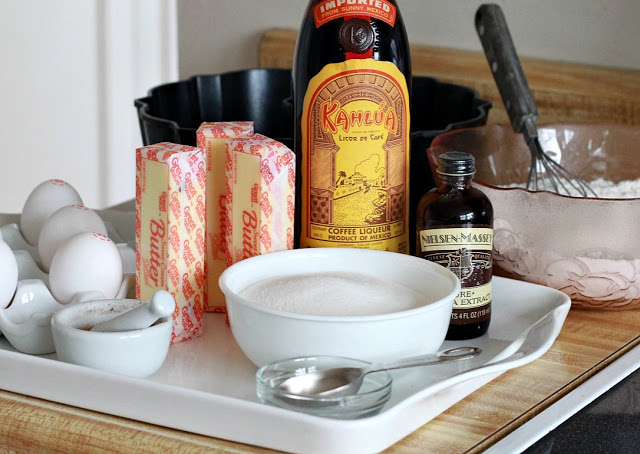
{"type": "Point", "coordinates": [319, 46]}
{"type": "Point", "coordinates": [459, 206]}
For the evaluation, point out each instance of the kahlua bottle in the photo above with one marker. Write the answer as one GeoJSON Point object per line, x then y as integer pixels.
{"type": "Point", "coordinates": [455, 229]}
{"type": "Point", "coordinates": [351, 83]}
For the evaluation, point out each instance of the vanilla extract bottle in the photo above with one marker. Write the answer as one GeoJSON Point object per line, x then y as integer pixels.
{"type": "Point", "coordinates": [351, 86]}
{"type": "Point", "coordinates": [455, 229]}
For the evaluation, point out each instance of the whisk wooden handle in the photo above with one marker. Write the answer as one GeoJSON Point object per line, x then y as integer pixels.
{"type": "Point", "coordinates": [500, 51]}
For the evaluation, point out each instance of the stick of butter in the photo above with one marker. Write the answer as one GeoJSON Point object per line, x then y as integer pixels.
{"type": "Point", "coordinates": [170, 230]}
{"type": "Point", "coordinates": [213, 137]}
{"type": "Point", "coordinates": [260, 177]}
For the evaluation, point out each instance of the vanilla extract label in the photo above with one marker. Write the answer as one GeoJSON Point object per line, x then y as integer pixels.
{"type": "Point", "coordinates": [471, 238]}
{"type": "Point", "coordinates": [473, 297]}
{"type": "Point", "coordinates": [471, 267]}
{"type": "Point", "coordinates": [466, 252]}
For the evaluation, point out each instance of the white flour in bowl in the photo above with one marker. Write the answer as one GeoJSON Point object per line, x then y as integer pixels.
{"type": "Point", "coordinates": [609, 190]}
{"type": "Point", "coordinates": [606, 189]}
{"type": "Point", "coordinates": [333, 293]}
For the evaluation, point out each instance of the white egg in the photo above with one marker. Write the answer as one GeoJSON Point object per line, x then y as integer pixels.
{"type": "Point", "coordinates": [62, 225]}
{"type": "Point", "coordinates": [86, 262]}
{"type": "Point", "coordinates": [8, 274]}
{"type": "Point", "coordinates": [44, 200]}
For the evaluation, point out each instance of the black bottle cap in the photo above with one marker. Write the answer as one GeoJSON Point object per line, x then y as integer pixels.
{"type": "Point", "coordinates": [456, 163]}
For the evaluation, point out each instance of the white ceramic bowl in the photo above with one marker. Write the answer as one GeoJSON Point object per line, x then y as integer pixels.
{"type": "Point", "coordinates": [266, 335]}
{"type": "Point", "coordinates": [137, 353]}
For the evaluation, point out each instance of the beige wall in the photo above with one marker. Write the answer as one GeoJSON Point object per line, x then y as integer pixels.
{"type": "Point", "coordinates": [222, 35]}
{"type": "Point", "coordinates": [71, 70]}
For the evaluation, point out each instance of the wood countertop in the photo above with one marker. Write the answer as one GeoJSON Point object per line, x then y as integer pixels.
{"type": "Point", "coordinates": [563, 92]}
{"type": "Point", "coordinates": [589, 341]}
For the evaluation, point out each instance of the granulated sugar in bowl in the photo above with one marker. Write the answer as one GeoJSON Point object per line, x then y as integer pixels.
{"type": "Point", "coordinates": [585, 247]}
{"type": "Point", "coordinates": [333, 293]}
{"type": "Point", "coordinates": [363, 304]}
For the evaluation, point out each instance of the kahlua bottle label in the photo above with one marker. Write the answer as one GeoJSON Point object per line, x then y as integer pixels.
{"type": "Point", "coordinates": [333, 9]}
{"type": "Point", "coordinates": [355, 140]}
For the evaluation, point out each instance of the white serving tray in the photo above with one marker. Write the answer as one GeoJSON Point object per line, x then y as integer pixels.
{"type": "Point", "coordinates": [207, 385]}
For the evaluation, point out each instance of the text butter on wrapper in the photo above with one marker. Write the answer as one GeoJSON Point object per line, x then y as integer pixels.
{"type": "Point", "coordinates": [213, 137]}
{"type": "Point", "coordinates": [170, 230]}
{"type": "Point", "coordinates": [260, 175]}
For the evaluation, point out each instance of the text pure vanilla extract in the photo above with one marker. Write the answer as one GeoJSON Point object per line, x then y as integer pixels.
{"type": "Point", "coordinates": [455, 229]}
{"type": "Point", "coordinates": [351, 82]}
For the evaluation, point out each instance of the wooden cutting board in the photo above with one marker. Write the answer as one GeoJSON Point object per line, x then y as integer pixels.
{"type": "Point", "coordinates": [563, 92]}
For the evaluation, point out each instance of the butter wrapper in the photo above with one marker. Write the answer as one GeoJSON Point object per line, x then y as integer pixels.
{"type": "Point", "coordinates": [260, 177]}
{"type": "Point", "coordinates": [213, 137]}
{"type": "Point", "coordinates": [170, 230]}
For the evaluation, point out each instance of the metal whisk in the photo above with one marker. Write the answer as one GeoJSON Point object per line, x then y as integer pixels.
{"type": "Point", "coordinates": [545, 173]}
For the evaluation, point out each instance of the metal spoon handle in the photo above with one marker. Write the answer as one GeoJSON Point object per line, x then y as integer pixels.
{"type": "Point", "coordinates": [501, 54]}
{"type": "Point", "coordinates": [453, 354]}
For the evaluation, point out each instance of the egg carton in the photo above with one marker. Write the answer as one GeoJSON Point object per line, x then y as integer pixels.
{"type": "Point", "coordinates": [26, 321]}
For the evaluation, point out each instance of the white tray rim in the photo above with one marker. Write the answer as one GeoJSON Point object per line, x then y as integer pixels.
{"type": "Point", "coordinates": [255, 423]}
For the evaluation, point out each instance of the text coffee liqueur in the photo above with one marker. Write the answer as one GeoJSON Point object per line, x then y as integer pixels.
{"type": "Point", "coordinates": [352, 72]}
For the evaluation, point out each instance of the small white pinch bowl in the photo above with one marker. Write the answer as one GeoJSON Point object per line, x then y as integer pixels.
{"type": "Point", "coordinates": [137, 353]}
{"type": "Point", "coordinates": [266, 335]}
